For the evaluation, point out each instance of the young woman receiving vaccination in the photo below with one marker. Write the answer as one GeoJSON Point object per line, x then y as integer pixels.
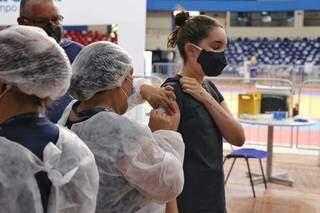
{"type": "Point", "coordinates": [205, 117]}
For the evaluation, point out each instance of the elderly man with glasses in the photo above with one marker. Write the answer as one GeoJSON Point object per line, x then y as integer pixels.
{"type": "Point", "coordinates": [46, 15]}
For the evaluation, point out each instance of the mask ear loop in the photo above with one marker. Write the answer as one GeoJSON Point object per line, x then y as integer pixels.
{"type": "Point", "coordinates": [196, 46]}
{"type": "Point", "coordinates": [132, 85]}
{"type": "Point", "coordinates": [124, 92]}
{"type": "Point", "coordinates": [201, 49]}
{"type": "Point", "coordinates": [8, 87]}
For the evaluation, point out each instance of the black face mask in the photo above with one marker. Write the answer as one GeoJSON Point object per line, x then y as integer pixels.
{"type": "Point", "coordinates": [55, 31]}
{"type": "Point", "coordinates": [212, 63]}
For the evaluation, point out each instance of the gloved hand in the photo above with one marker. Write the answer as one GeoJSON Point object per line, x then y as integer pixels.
{"type": "Point", "coordinates": [163, 121]}
{"type": "Point", "coordinates": [159, 97]}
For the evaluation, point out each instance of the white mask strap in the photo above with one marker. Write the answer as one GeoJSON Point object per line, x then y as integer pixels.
{"type": "Point", "coordinates": [196, 46]}
{"type": "Point", "coordinates": [124, 92]}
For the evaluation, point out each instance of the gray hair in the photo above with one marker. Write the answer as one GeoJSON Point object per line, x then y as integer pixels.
{"type": "Point", "coordinates": [26, 5]}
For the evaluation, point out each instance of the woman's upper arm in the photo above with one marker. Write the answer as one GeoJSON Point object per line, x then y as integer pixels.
{"type": "Point", "coordinates": [178, 93]}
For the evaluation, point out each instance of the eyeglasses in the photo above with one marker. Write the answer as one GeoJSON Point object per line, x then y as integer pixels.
{"type": "Point", "coordinates": [44, 22]}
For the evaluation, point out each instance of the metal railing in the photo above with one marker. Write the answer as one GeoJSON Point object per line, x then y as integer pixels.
{"type": "Point", "coordinates": [309, 105]}
{"type": "Point", "coordinates": [166, 69]}
{"type": "Point", "coordinates": [230, 87]}
{"type": "Point", "coordinates": [294, 73]}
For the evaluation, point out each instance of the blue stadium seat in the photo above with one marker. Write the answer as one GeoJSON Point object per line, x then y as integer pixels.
{"type": "Point", "coordinates": [274, 51]}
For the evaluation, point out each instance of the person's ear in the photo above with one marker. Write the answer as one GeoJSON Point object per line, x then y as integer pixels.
{"type": "Point", "coordinates": [3, 87]}
{"type": "Point", "coordinates": [131, 71]}
{"type": "Point", "coordinates": [123, 84]}
{"type": "Point", "coordinates": [191, 51]}
{"type": "Point", "coordinates": [21, 21]}
{"type": "Point", "coordinates": [42, 103]}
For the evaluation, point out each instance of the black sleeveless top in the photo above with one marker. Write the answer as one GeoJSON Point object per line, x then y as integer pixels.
{"type": "Point", "coordinates": [203, 165]}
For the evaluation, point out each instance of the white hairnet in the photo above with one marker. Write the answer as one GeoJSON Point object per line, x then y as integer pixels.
{"type": "Point", "coordinates": [136, 167]}
{"type": "Point", "coordinates": [99, 66]}
{"type": "Point", "coordinates": [33, 62]}
{"type": "Point", "coordinates": [70, 166]}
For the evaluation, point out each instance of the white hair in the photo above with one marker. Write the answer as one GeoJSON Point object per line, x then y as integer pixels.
{"type": "Point", "coordinates": [26, 6]}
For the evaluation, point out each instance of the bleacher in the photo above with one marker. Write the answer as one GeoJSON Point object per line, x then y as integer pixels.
{"type": "Point", "coordinates": [86, 37]}
{"type": "Point", "coordinates": [278, 51]}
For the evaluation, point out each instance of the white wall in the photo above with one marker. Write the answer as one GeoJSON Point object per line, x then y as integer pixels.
{"type": "Point", "coordinates": [128, 14]}
{"type": "Point", "coordinates": [159, 26]}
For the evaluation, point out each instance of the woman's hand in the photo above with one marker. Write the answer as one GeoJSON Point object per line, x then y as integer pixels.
{"type": "Point", "coordinates": [171, 207]}
{"type": "Point", "coordinates": [164, 121]}
{"type": "Point", "coordinates": [230, 128]}
{"type": "Point", "coordinates": [159, 97]}
{"type": "Point", "coordinates": [195, 89]}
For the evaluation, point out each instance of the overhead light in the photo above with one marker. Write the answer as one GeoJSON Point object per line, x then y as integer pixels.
{"type": "Point", "coordinates": [191, 13]}
{"type": "Point", "coordinates": [266, 19]}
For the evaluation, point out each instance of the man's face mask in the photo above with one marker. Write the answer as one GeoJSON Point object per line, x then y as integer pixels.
{"type": "Point", "coordinates": [54, 31]}
{"type": "Point", "coordinates": [52, 26]}
{"type": "Point", "coordinates": [212, 63]}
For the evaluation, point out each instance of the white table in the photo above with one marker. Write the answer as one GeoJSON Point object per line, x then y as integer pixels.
{"type": "Point", "coordinates": [280, 178]}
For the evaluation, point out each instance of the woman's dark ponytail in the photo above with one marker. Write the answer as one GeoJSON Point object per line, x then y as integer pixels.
{"type": "Point", "coordinates": [180, 19]}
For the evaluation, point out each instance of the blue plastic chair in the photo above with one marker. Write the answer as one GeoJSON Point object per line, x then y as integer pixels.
{"type": "Point", "coordinates": [247, 154]}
